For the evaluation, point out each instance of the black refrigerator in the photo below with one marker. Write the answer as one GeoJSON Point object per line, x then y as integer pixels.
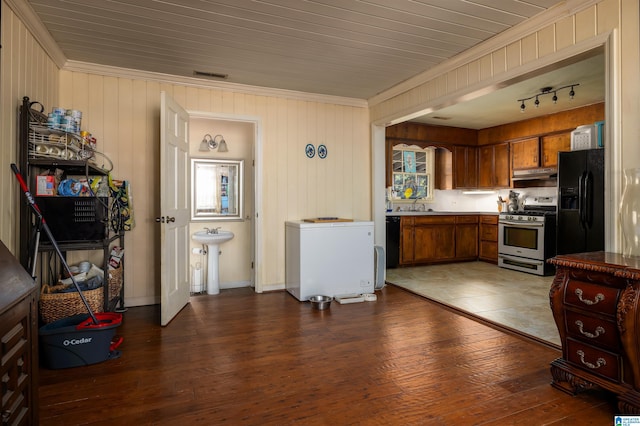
{"type": "Point", "coordinates": [580, 222]}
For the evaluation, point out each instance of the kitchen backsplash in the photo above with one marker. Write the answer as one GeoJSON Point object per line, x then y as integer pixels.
{"type": "Point", "coordinates": [457, 201]}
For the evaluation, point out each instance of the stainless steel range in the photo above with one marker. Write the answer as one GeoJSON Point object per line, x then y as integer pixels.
{"type": "Point", "coordinates": [527, 238]}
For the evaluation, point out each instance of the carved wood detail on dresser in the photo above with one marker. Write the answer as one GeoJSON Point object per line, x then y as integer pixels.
{"type": "Point", "coordinates": [594, 300]}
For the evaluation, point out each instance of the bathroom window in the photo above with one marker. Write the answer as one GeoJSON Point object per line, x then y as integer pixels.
{"type": "Point", "coordinates": [216, 189]}
{"type": "Point", "coordinates": [412, 172]}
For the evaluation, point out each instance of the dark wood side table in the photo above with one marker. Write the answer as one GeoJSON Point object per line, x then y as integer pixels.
{"type": "Point", "coordinates": [594, 299]}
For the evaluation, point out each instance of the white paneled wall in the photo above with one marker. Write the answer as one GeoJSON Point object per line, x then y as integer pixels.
{"type": "Point", "coordinates": [123, 114]}
{"type": "Point", "coordinates": [587, 23]}
{"type": "Point", "coordinates": [25, 70]}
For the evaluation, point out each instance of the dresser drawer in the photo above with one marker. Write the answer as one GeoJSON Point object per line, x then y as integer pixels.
{"type": "Point", "coordinates": [593, 360]}
{"type": "Point", "coordinates": [592, 330]}
{"type": "Point", "coordinates": [591, 297]}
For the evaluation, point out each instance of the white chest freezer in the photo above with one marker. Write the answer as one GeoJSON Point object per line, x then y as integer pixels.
{"type": "Point", "coordinates": [329, 258]}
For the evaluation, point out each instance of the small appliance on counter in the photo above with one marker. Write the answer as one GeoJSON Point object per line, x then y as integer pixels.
{"type": "Point", "coordinates": [514, 202]}
{"type": "Point", "coordinates": [589, 136]}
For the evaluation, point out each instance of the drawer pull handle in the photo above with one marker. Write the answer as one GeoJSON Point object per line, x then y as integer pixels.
{"type": "Point", "coordinates": [599, 298]}
{"type": "Point", "coordinates": [599, 330]}
{"type": "Point", "coordinates": [599, 363]}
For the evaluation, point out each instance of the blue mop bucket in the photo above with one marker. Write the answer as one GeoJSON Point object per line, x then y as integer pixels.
{"type": "Point", "coordinates": [75, 341]}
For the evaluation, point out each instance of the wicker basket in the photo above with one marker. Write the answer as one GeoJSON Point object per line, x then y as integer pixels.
{"type": "Point", "coordinates": [54, 306]}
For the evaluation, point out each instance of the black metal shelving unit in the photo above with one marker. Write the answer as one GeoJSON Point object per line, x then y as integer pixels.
{"type": "Point", "coordinates": [72, 234]}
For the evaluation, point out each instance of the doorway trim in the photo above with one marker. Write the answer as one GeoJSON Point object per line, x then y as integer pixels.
{"type": "Point", "coordinates": [257, 187]}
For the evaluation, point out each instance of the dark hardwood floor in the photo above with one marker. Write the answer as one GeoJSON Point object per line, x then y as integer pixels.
{"type": "Point", "coordinates": [251, 359]}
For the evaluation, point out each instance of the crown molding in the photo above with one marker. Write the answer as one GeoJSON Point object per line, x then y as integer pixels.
{"type": "Point", "coordinates": [30, 19]}
{"type": "Point", "coordinates": [110, 71]}
{"type": "Point", "coordinates": [525, 28]}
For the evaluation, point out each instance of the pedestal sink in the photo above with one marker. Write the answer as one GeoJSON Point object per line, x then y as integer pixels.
{"type": "Point", "coordinates": [212, 240]}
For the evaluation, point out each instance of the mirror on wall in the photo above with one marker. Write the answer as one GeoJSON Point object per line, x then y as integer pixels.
{"type": "Point", "coordinates": [216, 189]}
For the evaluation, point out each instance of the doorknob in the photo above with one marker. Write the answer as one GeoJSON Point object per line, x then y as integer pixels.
{"type": "Point", "coordinates": [160, 219]}
{"type": "Point", "coordinates": [170, 219]}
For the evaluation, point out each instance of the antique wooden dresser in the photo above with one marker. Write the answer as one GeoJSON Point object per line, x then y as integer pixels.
{"type": "Point", "coordinates": [18, 342]}
{"type": "Point", "coordinates": [594, 299]}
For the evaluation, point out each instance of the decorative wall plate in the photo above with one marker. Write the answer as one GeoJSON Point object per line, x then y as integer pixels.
{"type": "Point", "coordinates": [322, 151]}
{"type": "Point", "coordinates": [310, 150]}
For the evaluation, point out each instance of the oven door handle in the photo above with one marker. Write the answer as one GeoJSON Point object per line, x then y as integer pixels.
{"type": "Point", "coordinates": [521, 224]}
{"type": "Point", "coordinates": [530, 261]}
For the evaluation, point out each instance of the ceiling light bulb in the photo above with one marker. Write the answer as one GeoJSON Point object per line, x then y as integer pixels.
{"type": "Point", "coordinates": [555, 98]}
{"type": "Point", "coordinates": [537, 102]}
{"type": "Point", "coordinates": [522, 107]}
{"type": "Point", "coordinates": [571, 93]}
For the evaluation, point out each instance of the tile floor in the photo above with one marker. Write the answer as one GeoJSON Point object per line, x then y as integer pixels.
{"type": "Point", "coordinates": [510, 298]}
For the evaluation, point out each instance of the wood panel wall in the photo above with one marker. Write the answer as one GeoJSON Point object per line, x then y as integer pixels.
{"type": "Point", "coordinates": [25, 70]}
{"type": "Point", "coordinates": [123, 114]}
{"type": "Point", "coordinates": [558, 122]}
{"type": "Point", "coordinates": [435, 135]}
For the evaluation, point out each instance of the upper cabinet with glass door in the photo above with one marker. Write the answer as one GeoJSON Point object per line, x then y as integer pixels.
{"type": "Point", "coordinates": [412, 172]}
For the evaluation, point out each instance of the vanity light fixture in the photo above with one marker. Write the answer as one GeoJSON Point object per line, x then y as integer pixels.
{"type": "Point", "coordinates": [209, 143]}
{"type": "Point", "coordinates": [548, 91]}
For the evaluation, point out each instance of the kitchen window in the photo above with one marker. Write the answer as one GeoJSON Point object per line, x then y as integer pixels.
{"type": "Point", "coordinates": [412, 172]}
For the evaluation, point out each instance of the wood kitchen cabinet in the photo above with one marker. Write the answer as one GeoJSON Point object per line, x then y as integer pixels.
{"type": "Point", "coordinates": [467, 237]}
{"type": "Point", "coordinates": [525, 154]}
{"type": "Point", "coordinates": [539, 152]}
{"type": "Point", "coordinates": [406, 240]}
{"type": "Point", "coordinates": [493, 163]}
{"type": "Point", "coordinates": [438, 239]}
{"type": "Point", "coordinates": [488, 238]}
{"type": "Point", "coordinates": [594, 300]}
{"type": "Point", "coordinates": [434, 238]}
{"type": "Point", "coordinates": [550, 145]}
{"type": "Point", "coordinates": [465, 167]}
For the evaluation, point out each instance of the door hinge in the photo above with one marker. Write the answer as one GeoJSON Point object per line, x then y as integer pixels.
{"type": "Point", "coordinates": [251, 265]}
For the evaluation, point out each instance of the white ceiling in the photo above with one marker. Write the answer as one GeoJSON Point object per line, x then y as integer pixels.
{"type": "Point", "coordinates": [347, 48]}
{"type": "Point", "coordinates": [501, 106]}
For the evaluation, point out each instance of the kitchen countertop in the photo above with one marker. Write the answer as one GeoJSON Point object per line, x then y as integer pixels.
{"type": "Point", "coordinates": [438, 213]}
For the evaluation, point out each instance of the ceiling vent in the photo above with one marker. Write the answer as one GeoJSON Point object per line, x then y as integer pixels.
{"type": "Point", "coordinates": [210, 75]}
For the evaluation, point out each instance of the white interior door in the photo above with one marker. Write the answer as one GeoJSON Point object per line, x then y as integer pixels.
{"type": "Point", "coordinates": [174, 204]}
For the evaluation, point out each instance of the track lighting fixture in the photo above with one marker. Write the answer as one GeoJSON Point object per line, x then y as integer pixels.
{"type": "Point", "coordinates": [547, 91]}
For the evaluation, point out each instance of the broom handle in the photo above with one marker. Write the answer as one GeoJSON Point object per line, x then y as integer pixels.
{"type": "Point", "coordinates": [47, 231]}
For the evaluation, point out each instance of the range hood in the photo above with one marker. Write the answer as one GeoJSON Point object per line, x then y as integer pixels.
{"type": "Point", "coordinates": [542, 173]}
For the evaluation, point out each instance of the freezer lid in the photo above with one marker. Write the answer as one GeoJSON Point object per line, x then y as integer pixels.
{"type": "Point", "coordinates": [308, 225]}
